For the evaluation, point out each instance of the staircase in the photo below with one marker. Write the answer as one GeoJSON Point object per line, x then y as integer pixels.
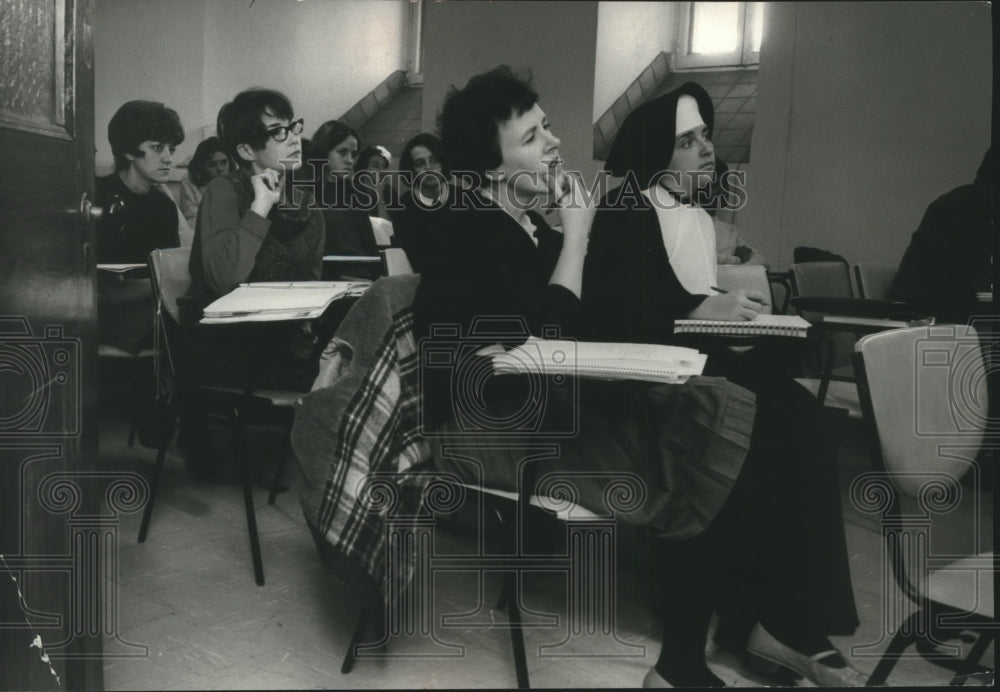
{"type": "Point", "coordinates": [395, 123]}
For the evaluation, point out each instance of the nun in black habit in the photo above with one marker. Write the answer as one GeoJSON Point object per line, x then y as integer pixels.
{"type": "Point", "coordinates": [774, 562]}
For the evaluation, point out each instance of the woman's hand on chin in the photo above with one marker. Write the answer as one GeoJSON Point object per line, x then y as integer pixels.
{"type": "Point", "coordinates": [737, 306]}
{"type": "Point", "coordinates": [576, 212]}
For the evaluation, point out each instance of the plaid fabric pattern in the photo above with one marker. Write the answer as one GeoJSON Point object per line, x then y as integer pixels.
{"type": "Point", "coordinates": [377, 438]}
{"type": "Point", "coordinates": [364, 432]}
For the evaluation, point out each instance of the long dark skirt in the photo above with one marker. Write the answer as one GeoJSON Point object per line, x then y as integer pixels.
{"type": "Point", "coordinates": [753, 537]}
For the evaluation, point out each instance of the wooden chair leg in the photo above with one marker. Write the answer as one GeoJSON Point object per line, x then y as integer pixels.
{"type": "Point", "coordinates": [153, 485]}
{"type": "Point", "coordinates": [239, 442]}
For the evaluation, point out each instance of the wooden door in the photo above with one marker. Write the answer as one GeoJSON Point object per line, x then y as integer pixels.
{"type": "Point", "coordinates": [48, 351]}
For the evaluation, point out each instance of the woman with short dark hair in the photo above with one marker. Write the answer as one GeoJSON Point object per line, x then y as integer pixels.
{"type": "Point", "coordinates": [253, 225]}
{"type": "Point", "coordinates": [499, 273]}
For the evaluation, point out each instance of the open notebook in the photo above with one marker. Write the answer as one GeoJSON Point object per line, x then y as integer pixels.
{"type": "Point", "coordinates": [651, 362]}
{"type": "Point", "coordinates": [761, 325]}
{"type": "Point", "coordinates": [276, 301]}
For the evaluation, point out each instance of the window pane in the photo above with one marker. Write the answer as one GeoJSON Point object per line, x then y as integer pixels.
{"type": "Point", "coordinates": [755, 14]}
{"type": "Point", "coordinates": [715, 27]}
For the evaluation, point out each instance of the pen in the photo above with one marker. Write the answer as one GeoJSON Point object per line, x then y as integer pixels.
{"type": "Point", "coordinates": [722, 290]}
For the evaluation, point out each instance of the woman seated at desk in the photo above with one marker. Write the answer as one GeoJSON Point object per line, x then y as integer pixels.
{"type": "Point", "coordinates": [702, 487]}
{"type": "Point", "coordinates": [245, 234]}
{"type": "Point", "coordinates": [420, 207]}
{"type": "Point", "coordinates": [652, 260]}
{"type": "Point", "coordinates": [333, 149]}
{"type": "Point", "coordinates": [138, 218]}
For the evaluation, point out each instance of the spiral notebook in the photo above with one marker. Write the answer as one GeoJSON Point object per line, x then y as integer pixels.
{"type": "Point", "coordinates": [761, 325]}
{"type": "Point", "coordinates": [611, 361]}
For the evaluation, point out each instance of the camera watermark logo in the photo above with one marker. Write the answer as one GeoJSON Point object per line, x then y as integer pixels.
{"type": "Point", "coordinates": [456, 368]}
{"type": "Point", "coordinates": [38, 371]}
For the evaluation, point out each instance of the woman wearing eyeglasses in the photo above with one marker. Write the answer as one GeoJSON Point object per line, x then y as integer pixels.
{"type": "Point", "coordinates": [253, 225]}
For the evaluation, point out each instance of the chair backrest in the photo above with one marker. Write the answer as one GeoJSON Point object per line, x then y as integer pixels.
{"type": "Point", "coordinates": [827, 279]}
{"type": "Point", "coordinates": [168, 270]}
{"type": "Point", "coordinates": [396, 262]}
{"type": "Point", "coordinates": [924, 391]}
{"type": "Point", "coordinates": [874, 279]}
{"type": "Point", "coordinates": [749, 276]}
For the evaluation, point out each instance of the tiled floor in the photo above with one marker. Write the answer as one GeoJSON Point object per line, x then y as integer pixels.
{"type": "Point", "coordinates": [188, 595]}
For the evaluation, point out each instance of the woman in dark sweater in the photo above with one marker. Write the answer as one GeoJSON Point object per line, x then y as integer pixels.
{"type": "Point", "coordinates": [333, 150]}
{"type": "Point", "coordinates": [415, 215]}
{"type": "Point", "coordinates": [138, 217]}
{"type": "Point", "coordinates": [651, 260]}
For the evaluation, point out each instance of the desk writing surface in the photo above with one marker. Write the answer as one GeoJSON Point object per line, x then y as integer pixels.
{"type": "Point", "coordinates": [279, 301]}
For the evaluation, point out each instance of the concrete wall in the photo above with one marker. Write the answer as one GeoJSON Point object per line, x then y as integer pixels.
{"type": "Point", "coordinates": [555, 40]}
{"type": "Point", "coordinates": [194, 55]}
{"type": "Point", "coordinates": [629, 36]}
{"type": "Point", "coordinates": [866, 113]}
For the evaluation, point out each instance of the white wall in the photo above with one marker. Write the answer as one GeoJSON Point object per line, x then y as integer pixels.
{"type": "Point", "coordinates": [629, 36]}
{"type": "Point", "coordinates": [555, 40]}
{"type": "Point", "coordinates": [153, 50]}
{"type": "Point", "coordinates": [324, 55]}
{"type": "Point", "coordinates": [866, 113]}
{"type": "Point", "coordinates": [194, 55]}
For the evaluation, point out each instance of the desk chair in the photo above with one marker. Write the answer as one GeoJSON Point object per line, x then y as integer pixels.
{"type": "Point", "coordinates": [923, 390]}
{"type": "Point", "coordinates": [827, 279]}
{"type": "Point", "coordinates": [395, 262]}
{"type": "Point", "coordinates": [346, 430]}
{"type": "Point", "coordinates": [874, 279]}
{"type": "Point", "coordinates": [135, 362]}
{"type": "Point", "coordinates": [171, 279]}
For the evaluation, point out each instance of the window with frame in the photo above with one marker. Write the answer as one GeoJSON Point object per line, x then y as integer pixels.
{"type": "Point", "coordinates": [719, 34]}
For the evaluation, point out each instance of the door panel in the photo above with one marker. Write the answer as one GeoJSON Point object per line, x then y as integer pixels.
{"type": "Point", "coordinates": [48, 351]}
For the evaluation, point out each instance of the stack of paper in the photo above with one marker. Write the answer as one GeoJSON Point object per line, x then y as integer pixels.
{"type": "Point", "coordinates": [276, 301]}
{"type": "Point", "coordinates": [616, 361]}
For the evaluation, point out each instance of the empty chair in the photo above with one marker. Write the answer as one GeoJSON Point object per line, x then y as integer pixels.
{"type": "Point", "coordinates": [874, 279]}
{"type": "Point", "coordinates": [923, 390]}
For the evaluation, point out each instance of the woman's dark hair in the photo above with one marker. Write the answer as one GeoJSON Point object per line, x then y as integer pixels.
{"type": "Point", "coordinates": [329, 135]}
{"type": "Point", "coordinates": [239, 121]}
{"type": "Point", "coordinates": [140, 121]}
{"type": "Point", "coordinates": [364, 155]}
{"type": "Point", "coordinates": [424, 139]}
{"type": "Point", "coordinates": [470, 117]}
{"type": "Point", "coordinates": [207, 148]}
